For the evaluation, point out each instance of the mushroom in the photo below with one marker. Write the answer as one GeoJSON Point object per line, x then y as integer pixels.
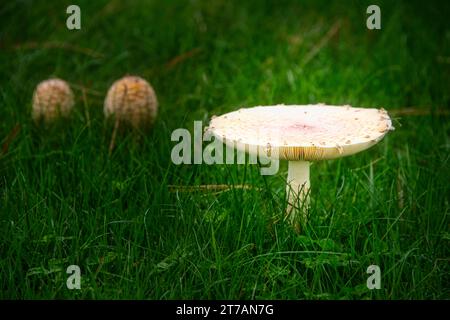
{"type": "Point", "coordinates": [132, 100]}
{"type": "Point", "coordinates": [301, 134]}
{"type": "Point", "coordinates": [52, 99]}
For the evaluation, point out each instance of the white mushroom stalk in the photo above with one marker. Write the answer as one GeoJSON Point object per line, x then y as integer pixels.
{"type": "Point", "coordinates": [297, 189]}
{"type": "Point", "coordinates": [302, 134]}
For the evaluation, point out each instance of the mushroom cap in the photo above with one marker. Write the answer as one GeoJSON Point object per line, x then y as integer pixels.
{"type": "Point", "coordinates": [302, 132]}
{"type": "Point", "coordinates": [133, 100]}
{"type": "Point", "coordinates": [52, 98]}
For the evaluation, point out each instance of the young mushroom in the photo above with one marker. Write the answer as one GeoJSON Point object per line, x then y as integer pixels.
{"type": "Point", "coordinates": [301, 134]}
{"type": "Point", "coordinates": [133, 101]}
{"type": "Point", "coordinates": [52, 99]}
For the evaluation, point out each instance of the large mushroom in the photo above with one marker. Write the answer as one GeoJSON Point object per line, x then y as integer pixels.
{"type": "Point", "coordinates": [301, 134]}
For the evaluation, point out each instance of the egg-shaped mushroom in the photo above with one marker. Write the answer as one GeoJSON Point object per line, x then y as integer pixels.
{"type": "Point", "coordinates": [52, 99]}
{"type": "Point", "coordinates": [133, 101]}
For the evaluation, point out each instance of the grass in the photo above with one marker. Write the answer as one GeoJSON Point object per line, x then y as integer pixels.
{"type": "Point", "coordinates": [64, 201]}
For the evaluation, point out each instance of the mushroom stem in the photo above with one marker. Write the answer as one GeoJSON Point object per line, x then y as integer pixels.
{"type": "Point", "coordinates": [297, 191]}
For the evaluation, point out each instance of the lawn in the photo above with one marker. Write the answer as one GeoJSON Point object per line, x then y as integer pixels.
{"type": "Point", "coordinates": [141, 227]}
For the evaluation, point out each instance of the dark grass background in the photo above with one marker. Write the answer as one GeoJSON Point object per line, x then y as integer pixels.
{"type": "Point", "coordinates": [64, 201]}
